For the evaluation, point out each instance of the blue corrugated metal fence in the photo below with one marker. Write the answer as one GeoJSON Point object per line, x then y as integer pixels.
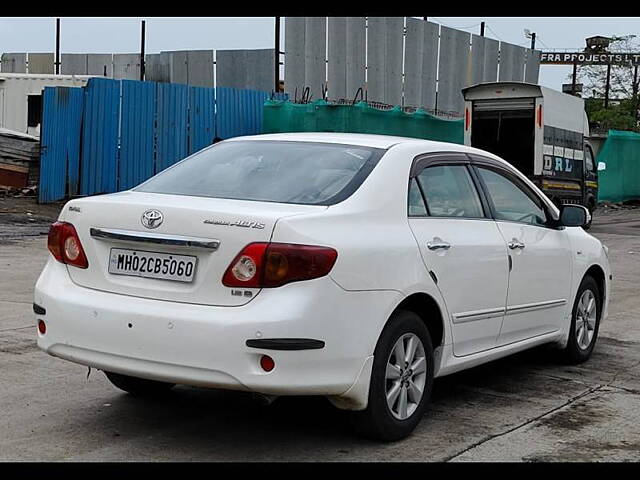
{"type": "Point", "coordinates": [173, 115]}
{"type": "Point", "coordinates": [137, 136]}
{"type": "Point", "coordinates": [202, 118]}
{"type": "Point", "coordinates": [100, 128]}
{"type": "Point", "coordinates": [60, 146]}
{"type": "Point", "coordinates": [113, 134]}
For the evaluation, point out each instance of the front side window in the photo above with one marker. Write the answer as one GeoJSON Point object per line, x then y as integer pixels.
{"type": "Point", "coordinates": [449, 192]}
{"type": "Point", "coordinates": [588, 158]}
{"type": "Point", "coordinates": [270, 171]}
{"type": "Point", "coordinates": [510, 202]}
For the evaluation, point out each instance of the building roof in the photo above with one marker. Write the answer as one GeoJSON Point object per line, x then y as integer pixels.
{"type": "Point", "coordinates": [43, 76]}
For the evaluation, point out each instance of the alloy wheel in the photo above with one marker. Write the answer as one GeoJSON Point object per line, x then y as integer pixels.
{"type": "Point", "coordinates": [586, 319]}
{"type": "Point", "coordinates": [405, 376]}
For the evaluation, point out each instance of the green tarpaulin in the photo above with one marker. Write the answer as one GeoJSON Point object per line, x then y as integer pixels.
{"type": "Point", "coordinates": [620, 180]}
{"type": "Point", "coordinates": [320, 116]}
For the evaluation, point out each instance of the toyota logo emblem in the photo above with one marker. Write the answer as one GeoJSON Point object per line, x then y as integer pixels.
{"type": "Point", "coordinates": [152, 218]}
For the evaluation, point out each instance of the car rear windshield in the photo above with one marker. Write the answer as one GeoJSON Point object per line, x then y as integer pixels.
{"type": "Point", "coordinates": [270, 171]}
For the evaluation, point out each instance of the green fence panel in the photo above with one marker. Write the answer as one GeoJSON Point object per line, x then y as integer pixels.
{"type": "Point", "coordinates": [320, 116]}
{"type": "Point", "coordinates": [620, 180]}
{"type": "Point", "coordinates": [281, 116]}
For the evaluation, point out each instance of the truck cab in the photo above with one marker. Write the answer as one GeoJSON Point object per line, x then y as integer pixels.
{"type": "Point", "coordinates": [540, 131]}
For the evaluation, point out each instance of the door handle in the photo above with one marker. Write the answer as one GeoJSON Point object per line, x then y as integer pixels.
{"type": "Point", "coordinates": [514, 244]}
{"type": "Point", "coordinates": [438, 245]}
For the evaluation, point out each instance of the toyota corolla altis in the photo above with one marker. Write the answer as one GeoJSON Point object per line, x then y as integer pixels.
{"type": "Point", "coordinates": [358, 267]}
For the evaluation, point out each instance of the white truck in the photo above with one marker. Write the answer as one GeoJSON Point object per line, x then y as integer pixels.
{"type": "Point", "coordinates": [540, 131]}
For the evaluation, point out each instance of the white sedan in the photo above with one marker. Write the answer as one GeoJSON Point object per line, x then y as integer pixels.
{"type": "Point", "coordinates": [358, 267]}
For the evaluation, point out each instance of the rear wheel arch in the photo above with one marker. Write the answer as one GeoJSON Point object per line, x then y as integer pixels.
{"type": "Point", "coordinates": [426, 307]}
{"type": "Point", "coordinates": [384, 417]}
{"type": "Point", "coordinates": [429, 312]}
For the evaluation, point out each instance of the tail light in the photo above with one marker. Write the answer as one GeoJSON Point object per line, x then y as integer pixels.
{"type": "Point", "coordinates": [264, 265]}
{"type": "Point", "coordinates": [539, 116]}
{"type": "Point", "coordinates": [64, 244]}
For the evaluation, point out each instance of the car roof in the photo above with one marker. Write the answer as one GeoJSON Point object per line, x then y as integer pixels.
{"type": "Point", "coordinates": [368, 140]}
{"type": "Point", "coordinates": [386, 142]}
{"type": "Point", "coordinates": [361, 139]}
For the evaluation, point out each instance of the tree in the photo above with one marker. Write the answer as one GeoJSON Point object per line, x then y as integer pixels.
{"type": "Point", "coordinates": [622, 111]}
{"type": "Point", "coordinates": [618, 116]}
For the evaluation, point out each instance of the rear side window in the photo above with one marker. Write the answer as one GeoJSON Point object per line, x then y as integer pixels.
{"type": "Point", "coordinates": [270, 171]}
{"type": "Point", "coordinates": [417, 207]}
{"type": "Point", "coordinates": [449, 192]}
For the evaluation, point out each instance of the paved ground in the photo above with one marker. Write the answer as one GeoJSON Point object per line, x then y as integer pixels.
{"type": "Point", "coordinates": [523, 408]}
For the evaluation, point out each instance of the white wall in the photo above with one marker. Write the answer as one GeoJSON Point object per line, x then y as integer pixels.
{"type": "Point", "coordinates": [14, 90]}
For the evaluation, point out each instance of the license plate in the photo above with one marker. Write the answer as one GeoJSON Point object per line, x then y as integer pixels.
{"type": "Point", "coordinates": [163, 266]}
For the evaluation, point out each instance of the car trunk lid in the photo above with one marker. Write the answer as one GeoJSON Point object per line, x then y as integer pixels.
{"type": "Point", "coordinates": [209, 231]}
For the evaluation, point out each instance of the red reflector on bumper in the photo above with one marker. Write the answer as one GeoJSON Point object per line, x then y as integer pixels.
{"type": "Point", "coordinates": [267, 363]}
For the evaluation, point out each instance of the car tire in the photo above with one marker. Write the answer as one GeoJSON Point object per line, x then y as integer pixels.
{"type": "Point", "coordinates": [588, 225]}
{"type": "Point", "coordinates": [592, 208]}
{"type": "Point", "coordinates": [139, 387]}
{"type": "Point", "coordinates": [380, 421]}
{"type": "Point", "coordinates": [579, 347]}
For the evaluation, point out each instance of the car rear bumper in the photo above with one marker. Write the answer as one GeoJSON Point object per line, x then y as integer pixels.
{"type": "Point", "coordinates": [207, 345]}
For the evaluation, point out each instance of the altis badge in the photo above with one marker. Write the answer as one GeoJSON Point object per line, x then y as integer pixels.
{"type": "Point", "coordinates": [237, 223]}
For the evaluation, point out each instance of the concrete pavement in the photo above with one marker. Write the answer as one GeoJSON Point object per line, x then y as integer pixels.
{"type": "Point", "coordinates": [527, 407]}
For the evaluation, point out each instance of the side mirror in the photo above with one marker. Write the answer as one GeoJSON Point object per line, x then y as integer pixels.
{"type": "Point", "coordinates": [574, 216]}
{"type": "Point", "coordinates": [602, 166]}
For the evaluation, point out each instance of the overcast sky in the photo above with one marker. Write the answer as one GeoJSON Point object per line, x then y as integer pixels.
{"type": "Point", "coordinates": [122, 35]}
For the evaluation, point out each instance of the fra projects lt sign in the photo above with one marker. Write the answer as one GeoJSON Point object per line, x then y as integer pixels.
{"type": "Point", "coordinates": [570, 58]}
